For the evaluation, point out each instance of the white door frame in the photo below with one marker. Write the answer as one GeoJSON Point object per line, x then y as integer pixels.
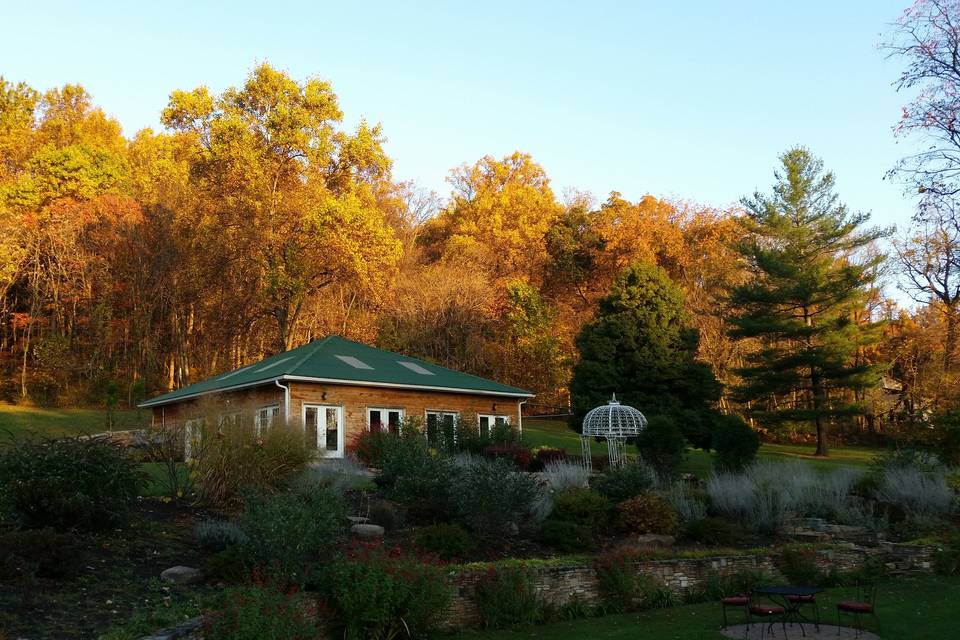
{"type": "Point", "coordinates": [322, 429]}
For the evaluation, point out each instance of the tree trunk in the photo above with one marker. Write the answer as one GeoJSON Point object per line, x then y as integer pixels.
{"type": "Point", "coordinates": [818, 398]}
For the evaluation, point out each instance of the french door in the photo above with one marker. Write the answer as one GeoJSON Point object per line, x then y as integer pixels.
{"type": "Point", "coordinates": [323, 428]}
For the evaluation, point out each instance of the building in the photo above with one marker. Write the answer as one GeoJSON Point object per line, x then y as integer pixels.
{"type": "Point", "coordinates": [336, 388]}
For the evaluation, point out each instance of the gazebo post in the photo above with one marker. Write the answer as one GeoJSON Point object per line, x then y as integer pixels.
{"type": "Point", "coordinates": [586, 453]}
{"type": "Point", "coordinates": [616, 423]}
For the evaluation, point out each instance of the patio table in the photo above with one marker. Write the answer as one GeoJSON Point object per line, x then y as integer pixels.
{"type": "Point", "coordinates": [791, 609]}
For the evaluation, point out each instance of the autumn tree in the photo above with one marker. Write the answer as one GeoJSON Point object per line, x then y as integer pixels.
{"type": "Point", "coordinates": [804, 250]}
{"type": "Point", "coordinates": [641, 347]}
{"type": "Point", "coordinates": [291, 195]}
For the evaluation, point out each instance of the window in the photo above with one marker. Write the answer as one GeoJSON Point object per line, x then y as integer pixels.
{"type": "Point", "coordinates": [265, 417]}
{"type": "Point", "coordinates": [489, 422]}
{"type": "Point", "coordinates": [416, 368]}
{"type": "Point", "coordinates": [227, 420]}
{"type": "Point", "coordinates": [356, 363]}
{"type": "Point", "coordinates": [323, 429]}
{"type": "Point", "coordinates": [381, 418]}
{"type": "Point", "coordinates": [441, 428]}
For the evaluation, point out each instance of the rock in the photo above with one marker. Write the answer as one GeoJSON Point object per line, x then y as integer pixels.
{"type": "Point", "coordinates": [367, 531]}
{"type": "Point", "coordinates": [654, 540]}
{"type": "Point", "coordinates": [181, 575]}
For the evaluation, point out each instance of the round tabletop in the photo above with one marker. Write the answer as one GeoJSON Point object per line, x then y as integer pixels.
{"type": "Point", "coordinates": [788, 590]}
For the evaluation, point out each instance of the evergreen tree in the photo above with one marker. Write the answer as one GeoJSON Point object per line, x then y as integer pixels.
{"type": "Point", "coordinates": [641, 347]}
{"type": "Point", "coordinates": [810, 279]}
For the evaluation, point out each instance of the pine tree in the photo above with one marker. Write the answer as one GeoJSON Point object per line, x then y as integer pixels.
{"type": "Point", "coordinates": [641, 347]}
{"type": "Point", "coordinates": [810, 277]}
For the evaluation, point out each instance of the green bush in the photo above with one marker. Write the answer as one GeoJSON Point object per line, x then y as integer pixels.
{"type": "Point", "coordinates": [374, 595]}
{"type": "Point", "coordinates": [230, 566]}
{"type": "Point", "coordinates": [446, 541]}
{"type": "Point", "coordinates": [290, 532]}
{"type": "Point", "coordinates": [492, 499]}
{"type": "Point", "coordinates": [647, 513]}
{"type": "Point", "coordinates": [418, 478]}
{"type": "Point", "coordinates": [72, 483]}
{"type": "Point", "coordinates": [662, 445]}
{"type": "Point", "coordinates": [43, 553]}
{"type": "Point", "coordinates": [946, 562]}
{"type": "Point", "coordinates": [370, 447]}
{"type": "Point", "coordinates": [711, 531]}
{"type": "Point", "coordinates": [736, 444]}
{"type": "Point", "coordinates": [944, 436]}
{"type": "Point", "coordinates": [618, 580]}
{"type": "Point", "coordinates": [799, 565]}
{"type": "Point", "coordinates": [583, 507]}
{"type": "Point", "coordinates": [258, 613]}
{"type": "Point", "coordinates": [565, 537]}
{"type": "Point", "coordinates": [626, 482]}
{"type": "Point", "coordinates": [385, 514]}
{"type": "Point", "coordinates": [507, 598]}
{"type": "Point", "coordinates": [217, 535]}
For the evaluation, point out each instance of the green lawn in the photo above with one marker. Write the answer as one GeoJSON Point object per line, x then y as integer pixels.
{"type": "Point", "coordinates": [554, 433]}
{"type": "Point", "coordinates": [913, 608]}
{"type": "Point", "coordinates": [20, 420]}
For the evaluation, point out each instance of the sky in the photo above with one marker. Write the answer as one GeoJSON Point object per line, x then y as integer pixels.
{"type": "Point", "coordinates": [690, 100]}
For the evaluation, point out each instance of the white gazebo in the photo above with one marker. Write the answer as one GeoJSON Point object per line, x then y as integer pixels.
{"type": "Point", "coordinates": [614, 421]}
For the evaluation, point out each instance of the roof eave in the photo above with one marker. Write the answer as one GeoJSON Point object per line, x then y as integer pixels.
{"type": "Point", "coordinates": [160, 401]}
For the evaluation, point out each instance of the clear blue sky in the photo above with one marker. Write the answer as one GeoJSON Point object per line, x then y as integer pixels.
{"type": "Point", "coordinates": [692, 100]}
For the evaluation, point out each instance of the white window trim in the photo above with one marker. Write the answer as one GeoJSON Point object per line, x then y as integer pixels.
{"type": "Point", "coordinates": [441, 412]}
{"type": "Point", "coordinates": [341, 449]}
{"type": "Point", "coordinates": [401, 410]}
{"type": "Point", "coordinates": [271, 409]}
{"type": "Point", "coordinates": [492, 421]}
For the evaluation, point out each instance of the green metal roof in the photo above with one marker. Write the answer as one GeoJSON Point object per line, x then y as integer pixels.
{"type": "Point", "coordinates": [338, 360]}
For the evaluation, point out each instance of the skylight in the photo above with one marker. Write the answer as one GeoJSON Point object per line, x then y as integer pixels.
{"type": "Point", "coordinates": [355, 363]}
{"type": "Point", "coordinates": [273, 364]}
{"type": "Point", "coordinates": [413, 366]}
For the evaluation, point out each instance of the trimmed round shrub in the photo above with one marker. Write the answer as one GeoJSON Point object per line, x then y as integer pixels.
{"type": "Point", "coordinates": [736, 444]}
{"type": "Point", "coordinates": [662, 445]}
{"type": "Point", "coordinates": [566, 537]}
{"type": "Point", "coordinates": [65, 484]}
{"type": "Point", "coordinates": [493, 499]}
{"type": "Point", "coordinates": [582, 507]}
{"type": "Point", "coordinates": [626, 482]}
{"type": "Point", "coordinates": [711, 531]}
{"type": "Point", "coordinates": [446, 541]}
{"type": "Point", "coordinates": [647, 513]}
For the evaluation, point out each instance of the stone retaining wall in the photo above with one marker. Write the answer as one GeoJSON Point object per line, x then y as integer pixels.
{"type": "Point", "coordinates": [562, 584]}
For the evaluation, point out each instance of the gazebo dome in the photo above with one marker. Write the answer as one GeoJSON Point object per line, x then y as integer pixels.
{"type": "Point", "coordinates": [614, 420]}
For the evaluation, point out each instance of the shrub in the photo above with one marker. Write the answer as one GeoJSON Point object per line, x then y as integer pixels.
{"type": "Point", "coordinates": [217, 535]}
{"type": "Point", "coordinates": [711, 531]}
{"type": "Point", "coordinates": [647, 513]}
{"type": "Point", "coordinates": [230, 565]}
{"type": "Point", "coordinates": [515, 452]}
{"type": "Point", "coordinates": [662, 445]}
{"type": "Point", "coordinates": [618, 580]}
{"type": "Point", "coordinates": [716, 585]}
{"type": "Point", "coordinates": [417, 478]}
{"type": "Point", "coordinates": [736, 444]}
{"type": "Point", "coordinates": [545, 455]}
{"type": "Point", "coordinates": [289, 532]}
{"type": "Point", "coordinates": [234, 459]}
{"type": "Point", "coordinates": [566, 537]}
{"type": "Point", "coordinates": [922, 495]}
{"type": "Point", "coordinates": [656, 595]}
{"type": "Point", "coordinates": [507, 598]}
{"type": "Point", "coordinates": [626, 482]}
{"type": "Point", "coordinates": [65, 484]}
{"type": "Point", "coordinates": [583, 507]}
{"type": "Point", "coordinates": [946, 562]}
{"type": "Point", "coordinates": [258, 613]}
{"type": "Point", "coordinates": [337, 474]}
{"type": "Point", "coordinates": [44, 553]}
{"type": "Point", "coordinates": [370, 447]}
{"type": "Point", "coordinates": [376, 595]}
{"type": "Point", "coordinates": [562, 475]}
{"type": "Point", "coordinates": [385, 514]}
{"type": "Point", "coordinates": [799, 565]}
{"type": "Point", "coordinates": [492, 498]}
{"type": "Point", "coordinates": [945, 436]}
{"type": "Point", "coordinates": [446, 541]}
{"type": "Point", "coordinates": [690, 506]}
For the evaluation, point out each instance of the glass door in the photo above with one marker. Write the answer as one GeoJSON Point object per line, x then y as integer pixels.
{"type": "Point", "coordinates": [323, 428]}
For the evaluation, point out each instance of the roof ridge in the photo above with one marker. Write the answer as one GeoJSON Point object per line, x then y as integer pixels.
{"type": "Point", "coordinates": [310, 353]}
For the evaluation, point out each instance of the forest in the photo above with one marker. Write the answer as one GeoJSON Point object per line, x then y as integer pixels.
{"type": "Point", "coordinates": [256, 221]}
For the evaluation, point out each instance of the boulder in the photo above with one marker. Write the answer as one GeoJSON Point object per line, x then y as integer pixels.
{"type": "Point", "coordinates": [181, 575]}
{"type": "Point", "coordinates": [367, 531]}
{"type": "Point", "coordinates": [655, 540]}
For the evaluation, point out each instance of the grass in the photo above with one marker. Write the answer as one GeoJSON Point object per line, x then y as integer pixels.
{"type": "Point", "coordinates": [22, 420]}
{"type": "Point", "coordinates": [912, 608]}
{"type": "Point", "coordinates": [555, 433]}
